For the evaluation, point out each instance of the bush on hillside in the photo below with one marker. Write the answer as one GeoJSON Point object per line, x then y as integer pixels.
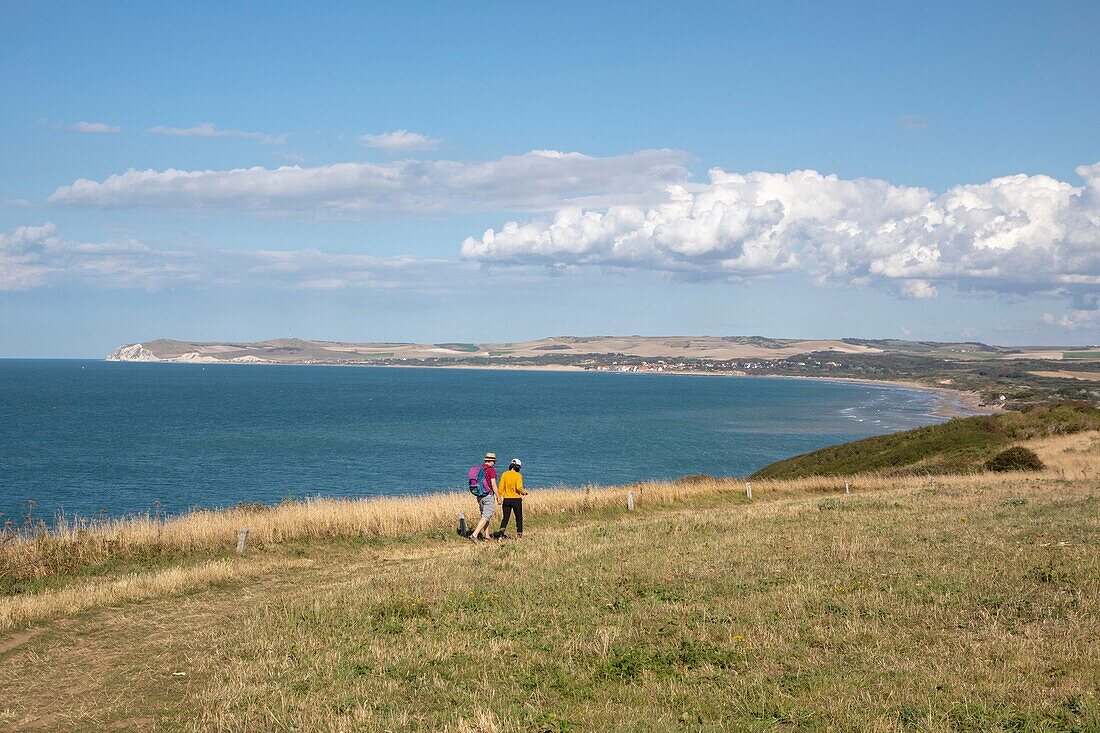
{"type": "Point", "coordinates": [1016, 458]}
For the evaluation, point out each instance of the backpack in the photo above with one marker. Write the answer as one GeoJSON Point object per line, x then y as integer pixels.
{"type": "Point", "coordinates": [479, 487]}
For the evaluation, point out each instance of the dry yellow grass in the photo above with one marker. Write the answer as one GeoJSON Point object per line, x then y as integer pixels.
{"type": "Point", "coordinates": [19, 610]}
{"type": "Point", "coordinates": [1069, 456]}
{"type": "Point", "coordinates": [77, 544]}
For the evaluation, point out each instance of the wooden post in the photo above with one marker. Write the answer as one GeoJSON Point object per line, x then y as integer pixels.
{"type": "Point", "coordinates": [748, 490]}
{"type": "Point", "coordinates": [462, 531]}
{"type": "Point", "coordinates": [630, 501]}
{"type": "Point", "coordinates": [846, 487]}
{"type": "Point", "coordinates": [242, 541]}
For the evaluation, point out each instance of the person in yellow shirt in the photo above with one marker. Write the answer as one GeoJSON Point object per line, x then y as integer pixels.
{"type": "Point", "coordinates": [511, 493]}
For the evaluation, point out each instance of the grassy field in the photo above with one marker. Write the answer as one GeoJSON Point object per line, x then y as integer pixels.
{"type": "Point", "coordinates": [957, 446]}
{"type": "Point", "coordinates": [973, 604]}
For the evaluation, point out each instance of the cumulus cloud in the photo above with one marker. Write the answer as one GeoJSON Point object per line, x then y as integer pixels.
{"type": "Point", "coordinates": [38, 256]}
{"type": "Point", "coordinates": [918, 289]}
{"type": "Point", "coordinates": [1016, 234]}
{"type": "Point", "coordinates": [205, 129]}
{"type": "Point", "coordinates": [538, 180]}
{"type": "Point", "coordinates": [93, 127]}
{"type": "Point", "coordinates": [399, 140]}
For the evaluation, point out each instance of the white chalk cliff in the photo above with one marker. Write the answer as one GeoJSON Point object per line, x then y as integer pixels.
{"type": "Point", "coordinates": [133, 352]}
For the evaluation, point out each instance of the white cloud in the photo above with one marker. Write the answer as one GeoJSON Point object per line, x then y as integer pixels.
{"type": "Point", "coordinates": [205, 129]}
{"type": "Point", "coordinates": [93, 127]}
{"type": "Point", "coordinates": [538, 180]}
{"type": "Point", "coordinates": [399, 140]}
{"type": "Point", "coordinates": [1016, 234]}
{"type": "Point", "coordinates": [18, 203]}
{"type": "Point", "coordinates": [1074, 320]}
{"type": "Point", "coordinates": [38, 256]}
{"type": "Point", "coordinates": [918, 289]}
{"type": "Point", "coordinates": [33, 256]}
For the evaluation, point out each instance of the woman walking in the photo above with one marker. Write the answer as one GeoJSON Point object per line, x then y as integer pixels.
{"type": "Point", "coordinates": [512, 493]}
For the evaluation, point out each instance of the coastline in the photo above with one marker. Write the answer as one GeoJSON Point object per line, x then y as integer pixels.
{"type": "Point", "coordinates": [952, 403]}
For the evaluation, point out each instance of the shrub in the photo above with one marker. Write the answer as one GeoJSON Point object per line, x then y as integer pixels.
{"type": "Point", "coordinates": [1016, 458]}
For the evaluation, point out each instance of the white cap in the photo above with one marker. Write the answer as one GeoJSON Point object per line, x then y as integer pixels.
{"type": "Point", "coordinates": [516, 462]}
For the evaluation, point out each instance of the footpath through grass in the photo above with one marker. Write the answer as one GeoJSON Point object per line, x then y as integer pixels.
{"type": "Point", "coordinates": [970, 606]}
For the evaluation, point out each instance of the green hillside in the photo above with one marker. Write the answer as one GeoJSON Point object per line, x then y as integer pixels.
{"type": "Point", "coordinates": [961, 445]}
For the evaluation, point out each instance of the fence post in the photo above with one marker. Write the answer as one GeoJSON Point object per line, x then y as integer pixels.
{"type": "Point", "coordinates": [630, 501]}
{"type": "Point", "coordinates": [242, 541]}
{"type": "Point", "coordinates": [748, 490]}
{"type": "Point", "coordinates": [846, 487]}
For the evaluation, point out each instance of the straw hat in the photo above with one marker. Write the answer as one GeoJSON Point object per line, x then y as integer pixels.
{"type": "Point", "coordinates": [491, 457]}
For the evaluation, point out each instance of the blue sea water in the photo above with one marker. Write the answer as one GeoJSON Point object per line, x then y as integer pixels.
{"type": "Point", "coordinates": [86, 437]}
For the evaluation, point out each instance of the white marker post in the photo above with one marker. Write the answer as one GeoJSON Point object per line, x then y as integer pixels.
{"type": "Point", "coordinates": [846, 487]}
{"type": "Point", "coordinates": [630, 501]}
{"type": "Point", "coordinates": [242, 541]}
{"type": "Point", "coordinates": [748, 490]}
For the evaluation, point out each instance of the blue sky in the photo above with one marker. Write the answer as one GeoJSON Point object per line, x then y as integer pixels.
{"type": "Point", "coordinates": [332, 172]}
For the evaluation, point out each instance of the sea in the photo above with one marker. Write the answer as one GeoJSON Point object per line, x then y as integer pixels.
{"type": "Point", "coordinates": [97, 439]}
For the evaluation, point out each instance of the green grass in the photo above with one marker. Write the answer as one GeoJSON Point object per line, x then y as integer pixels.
{"type": "Point", "coordinates": [960, 445]}
{"type": "Point", "coordinates": [1081, 355]}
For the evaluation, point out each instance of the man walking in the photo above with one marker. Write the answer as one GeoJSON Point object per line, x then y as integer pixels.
{"type": "Point", "coordinates": [483, 485]}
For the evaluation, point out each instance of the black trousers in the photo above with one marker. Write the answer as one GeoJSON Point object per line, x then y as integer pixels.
{"type": "Point", "coordinates": [513, 505]}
